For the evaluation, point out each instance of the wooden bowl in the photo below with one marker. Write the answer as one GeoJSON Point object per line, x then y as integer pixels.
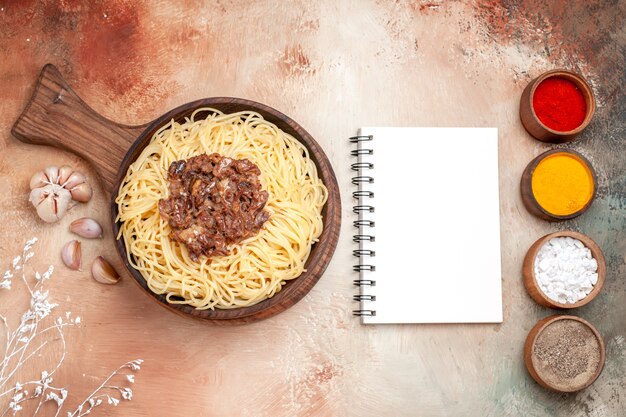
{"type": "Point", "coordinates": [530, 281]}
{"type": "Point", "coordinates": [532, 123]}
{"type": "Point", "coordinates": [528, 198]}
{"type": "Point", "coordinates": [56, 116]}
{"type": "Point", "coordinates": [529, 346]}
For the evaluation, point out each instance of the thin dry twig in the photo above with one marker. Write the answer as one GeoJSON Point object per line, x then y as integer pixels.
{"type": "Point", "coordinates": [27, 340]}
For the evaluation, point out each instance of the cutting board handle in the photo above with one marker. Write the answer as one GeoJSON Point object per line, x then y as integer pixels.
{"type": "Point", "coordinates": [56, 116]}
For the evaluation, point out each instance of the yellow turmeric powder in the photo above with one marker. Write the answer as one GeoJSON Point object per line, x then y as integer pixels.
{"type": "Point", "coordinates": [562, 184]}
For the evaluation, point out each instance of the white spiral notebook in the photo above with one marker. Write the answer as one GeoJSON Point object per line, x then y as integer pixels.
{"type": "Point", "coordinates": [428, 227]}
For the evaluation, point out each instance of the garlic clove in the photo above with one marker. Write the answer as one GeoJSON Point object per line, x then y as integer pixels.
{"type": "Point", "coordinates": [82, 192]}
{"type": "Point", "coordinates": [39, 179]}
{"type": "Point", "coordinates": [37, 195]}
{"type": "Point", "coordinates": [86, 227]}
{"type": "Point", "coordinates": [52, 173]}
{"type": "Point", "coordinates": [73, 180]}
{"type": "Point", "coordinates": [64, 174]}
{"type": "Point", "coordinates": [62, 202]}
{"type": "Point", "coordinates": [47, 209]}
{"type": "Point", "coordinates": [71, 255]}
{"type": "Point", "coordinates": [103, 272]}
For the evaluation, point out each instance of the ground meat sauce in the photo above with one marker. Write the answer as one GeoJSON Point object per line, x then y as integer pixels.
{"type": "Point", "coordinates": [214, 202]}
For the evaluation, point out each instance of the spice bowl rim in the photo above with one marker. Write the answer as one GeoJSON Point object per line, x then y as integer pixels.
{"type": "Point", "coordinates": [530, 280]}
{"type": "Point", "coordinates": [584, 88]}
{"type": "Point", "coordinates": [534, 334]}
{"type": "Point", "coordinates": [528, 197]}
{"type": "Point", "coordinates": [529, 118]}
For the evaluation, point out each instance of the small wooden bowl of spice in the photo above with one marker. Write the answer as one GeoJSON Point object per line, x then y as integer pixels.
{"type": "Point", "coordinates": [564, 270]}
{"type": "Point", "coordinates": [564, 353]}
{"type": "Point", "coordinates": [556, 106]}
{"type": "Point", "coordinates": [558, 185]}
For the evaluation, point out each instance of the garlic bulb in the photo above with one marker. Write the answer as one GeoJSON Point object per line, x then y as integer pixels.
{"type": "Point", "coordinates": [54, 188]}
{"type": "Point", "coordinates": [51, 202]}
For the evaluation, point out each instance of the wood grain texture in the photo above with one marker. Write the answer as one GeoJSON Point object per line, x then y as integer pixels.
{"type": "Point", "coordinates": [56, 116]}
{"type": "Point", "coordinates": [526, 189]}
{"type": "Point", "coordinates": [531, 122]}
{"type": "Point", "coordinates": [333, 66]}
{"type": "Point", "coordinates": [530, 280]}
{"type": "Point", "coordinates": [529, 347]}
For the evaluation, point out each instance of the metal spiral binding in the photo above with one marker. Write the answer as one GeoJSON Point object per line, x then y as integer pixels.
{"type": "Point", "coordinates": [362, 179]}
{"type": "Point", "coordinates": [357, 152]}
{"type": "Point", "coordinates": [363, 252]}
{"type": "Point", "coordinates": [358, 209]}
{"type": "Point", "coordinates": [361, 165]}
{"type": "Point", "coordinates": [363, 267]}
{"type": "Point", "coordinates": [361, 208]}
{"type": "Point", "coordinates": [359, 194]}
{"type": "Point", "coordinates": [369, 313]}
{"type": "Point", "coordinates": [359, 297]}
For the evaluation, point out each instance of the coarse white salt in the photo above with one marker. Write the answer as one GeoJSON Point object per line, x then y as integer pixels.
{"type": "Point", "coordinates": [565, 270]}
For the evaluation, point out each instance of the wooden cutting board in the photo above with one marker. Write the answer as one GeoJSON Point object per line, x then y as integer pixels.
{"type": "Point", "coordinates": [56, 116]}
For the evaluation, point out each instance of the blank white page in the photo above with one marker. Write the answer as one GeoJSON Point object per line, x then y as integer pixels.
{"type": "Point", "coordinates": [437, 225]}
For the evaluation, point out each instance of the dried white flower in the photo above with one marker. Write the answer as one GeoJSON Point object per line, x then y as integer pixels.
{"type": "Point", "coordinates": [26, 328]}
{"type": "Point", "coordinates": [56, 398]}
{"type": "Point", "coordinates": [31, 327]}
{"type": "Point", "coordinates": [30, 243]}
{"type": "Point", "coordinates": [28, 316]}
{"type": "Point", "coordinates": [127, 394]}
{"type": "Point", "coordinates": [15, 407]}
{"type": "Point", "coordinates": [135, 365]}
{"type": "Point", "coordinates": [48, 273]}
{"type": "Point", "coordinates": [40, 305]}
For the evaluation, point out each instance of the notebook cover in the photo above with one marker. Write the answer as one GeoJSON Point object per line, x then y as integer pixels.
{"type": "Point", "coordinates": [437, 227]}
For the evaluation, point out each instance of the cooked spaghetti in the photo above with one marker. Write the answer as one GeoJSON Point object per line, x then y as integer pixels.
{"type": "Point", "coordinates": [257, 267]}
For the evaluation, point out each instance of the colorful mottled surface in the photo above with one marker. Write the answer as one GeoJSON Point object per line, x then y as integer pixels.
{"type": "Point", "coordinates": [333, 66]}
